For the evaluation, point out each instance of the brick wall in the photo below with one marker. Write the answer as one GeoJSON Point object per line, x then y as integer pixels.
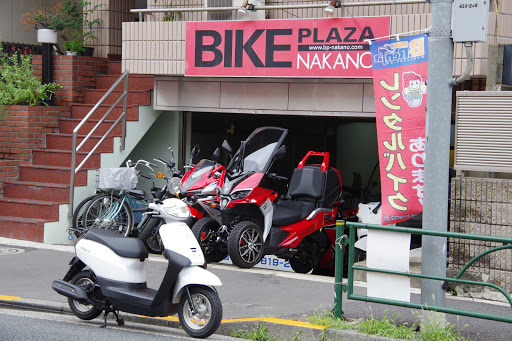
{"type": "Point", "coordinates": [25, 128]}
{"type": "Point", "coordinates": [74, 73]}
{"type": "Point", "coordinates": [482, 206]}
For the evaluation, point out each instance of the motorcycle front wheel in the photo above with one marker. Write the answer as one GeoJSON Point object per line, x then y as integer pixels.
{"type": "Point", "coordinates": [204, 319]}
{"type": "Point", "coordinates": [205, 231]}
{"type": "Point", "coordinates": [245, 244]}
{"type": "Point", "coordinates": [82, 310]}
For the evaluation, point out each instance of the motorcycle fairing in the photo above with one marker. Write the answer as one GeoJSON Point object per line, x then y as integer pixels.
{"type": "Point", "coordinates": [200, 176]}
{"type": "Point", "coordinates": [297, 231]}
{"type": "Point", "coordinates": [257, 152]}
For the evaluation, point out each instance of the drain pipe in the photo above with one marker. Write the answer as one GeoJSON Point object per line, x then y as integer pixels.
{"type": "Point", "coordinates": [469, 65]}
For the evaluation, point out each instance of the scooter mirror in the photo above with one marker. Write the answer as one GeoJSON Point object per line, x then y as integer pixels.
{"type": "Point", "coordinates": [281, 152]}
{"type": "Point", "coordinates": [227, 148]}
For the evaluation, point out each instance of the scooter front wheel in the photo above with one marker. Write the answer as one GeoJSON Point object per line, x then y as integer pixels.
{"type": "Point", "coordinates": [204, 318]}
{"type": "Point", "coordinates": [82, 310]}
{"type": "Point", "coordinates": [245, 244]}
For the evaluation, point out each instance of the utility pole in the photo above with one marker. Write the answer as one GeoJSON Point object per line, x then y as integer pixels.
{"type": "Point", "coordinates": [437, 151]}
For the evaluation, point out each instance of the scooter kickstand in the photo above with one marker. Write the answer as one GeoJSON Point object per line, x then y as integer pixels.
{"type": "Point", "coordinates": [120, 321]}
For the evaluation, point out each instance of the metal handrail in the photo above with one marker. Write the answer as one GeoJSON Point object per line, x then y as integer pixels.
{"type": "Point", "coordinates": [75, 149]}
{"type": "Point", "coordinates": [342, 239]}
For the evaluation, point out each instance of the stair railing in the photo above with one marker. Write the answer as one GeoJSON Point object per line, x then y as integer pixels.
{"type": "Point", "coordinates": [121, 118]}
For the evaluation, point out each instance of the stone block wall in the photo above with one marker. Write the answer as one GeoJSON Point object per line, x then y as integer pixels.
{"type": "Point", "coordinates": [482, 206]}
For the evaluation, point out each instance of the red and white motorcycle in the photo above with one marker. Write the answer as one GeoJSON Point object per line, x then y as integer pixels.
{"type": "Point", "coordinates": [256, 221]}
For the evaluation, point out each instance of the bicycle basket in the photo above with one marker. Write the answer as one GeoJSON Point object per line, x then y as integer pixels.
{"type": "Point", "coordinates": [121, 179]}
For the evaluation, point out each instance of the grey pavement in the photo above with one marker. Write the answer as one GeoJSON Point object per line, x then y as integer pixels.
{"type": "Point", "coordinates": [280, 299]}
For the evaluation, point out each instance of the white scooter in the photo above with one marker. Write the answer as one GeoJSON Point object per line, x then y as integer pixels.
{"type": "Point", "coordinates": [115, 278]}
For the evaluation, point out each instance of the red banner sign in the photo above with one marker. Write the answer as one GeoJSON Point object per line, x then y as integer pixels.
{"type": "Point", "coordinates": [399, 80]}
{"type": "Point", "coordinates": [334, 47]}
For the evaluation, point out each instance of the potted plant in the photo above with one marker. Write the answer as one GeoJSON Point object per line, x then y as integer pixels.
{"type": "Point", "coordinates": [69, 18]}
{"type": "Point", "coordinates": [46, 22]}
{"type": "Point", "coordinates": [74, 47]}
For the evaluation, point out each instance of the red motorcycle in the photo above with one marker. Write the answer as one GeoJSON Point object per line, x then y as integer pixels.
{"type": "Point", "coordinates": [198, 189]}
{"type": "Point", "coordinates": [258, 222]}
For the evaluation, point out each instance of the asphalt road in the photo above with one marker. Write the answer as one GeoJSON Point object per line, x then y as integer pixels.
{"type": "Point", "coordinates": [27, 271]}
{"type": "Point", "coordinates": [23, 325]}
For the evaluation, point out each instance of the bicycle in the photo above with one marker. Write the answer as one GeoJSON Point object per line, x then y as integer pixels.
{"type": "Point", "coordinates": [116, 205]}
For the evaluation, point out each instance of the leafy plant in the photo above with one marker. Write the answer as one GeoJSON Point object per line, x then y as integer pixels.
{"type": "Point", "coordinates": [389, 327]}
{"type": "Point", "coordinates": [259, 334]}
{"type": "Point", "coordinates": [386, 327]}
{"type": "Point", "coordinates": [18, 85]}
{"type": "Point", "coordinates": [74, 46]}
{"type": "Point", "coordinates": [326, 318]}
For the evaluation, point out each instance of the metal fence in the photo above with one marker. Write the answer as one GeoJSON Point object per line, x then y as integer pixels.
{"type": "Point", "coordinates": [347, 242]}
{"type": "Point", "coordinates": [7, 47]}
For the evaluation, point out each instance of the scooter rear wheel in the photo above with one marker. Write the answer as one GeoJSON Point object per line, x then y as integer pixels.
{"type": "Point", "coordinates": [208, 311]}
{"type": "Point", "coordinates": [81, 310]}
{"type": "Point", "coordinates": [205, 232]}
{"type": "Point", "coordinates": [245, 244]}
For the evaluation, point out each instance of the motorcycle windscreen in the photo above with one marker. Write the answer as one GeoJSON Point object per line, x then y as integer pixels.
{"type": "Point", "coordinates": [257, 152]}
{"type": "Point", "coordinates": [201, 171]}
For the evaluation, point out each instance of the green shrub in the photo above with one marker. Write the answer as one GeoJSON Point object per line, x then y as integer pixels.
{"type": "Point", "coordinates": [18, 85]}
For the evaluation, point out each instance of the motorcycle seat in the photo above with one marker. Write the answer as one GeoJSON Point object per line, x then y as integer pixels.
{"type": "Point", "coordinates": [121, 245]}
{"type": "Point", "coordinates": [288, 212]}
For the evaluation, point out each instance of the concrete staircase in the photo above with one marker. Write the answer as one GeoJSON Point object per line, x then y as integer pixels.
{"type": "Point", "coordinates": [34, 207]}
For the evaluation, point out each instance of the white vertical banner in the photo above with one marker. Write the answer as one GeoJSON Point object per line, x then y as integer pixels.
{"type": "Point", "coordinates": [388, 251]}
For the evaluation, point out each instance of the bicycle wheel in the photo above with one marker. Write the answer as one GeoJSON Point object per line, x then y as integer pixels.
{"type": "Point", "coordinates": [79, 212]}
{"type": "Point", "coordinates": [110, 212]}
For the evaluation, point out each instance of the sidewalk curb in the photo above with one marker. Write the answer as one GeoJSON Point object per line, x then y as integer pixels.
{"type": "Point", "coordinates": [281, 329]}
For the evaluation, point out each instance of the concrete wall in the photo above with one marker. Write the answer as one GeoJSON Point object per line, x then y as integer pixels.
{"type": "Point", "coordinates": [165, 132]}
{"type": "Point", "coordinates": [10, 13]}
{"type": "Point", "coordinates": [482, 206]}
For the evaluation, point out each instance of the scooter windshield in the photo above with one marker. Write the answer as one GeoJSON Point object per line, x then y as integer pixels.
{"type": "Point", "coordinates": [256, 153]}
{"type": "Point", "coordinates": [202, 169]}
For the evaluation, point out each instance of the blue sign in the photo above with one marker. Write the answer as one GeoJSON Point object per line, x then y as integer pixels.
{"type": "Point", "coordinates": [399, 52]}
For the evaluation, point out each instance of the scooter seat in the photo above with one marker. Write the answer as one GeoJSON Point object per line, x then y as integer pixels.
{"type": "Point", "coordinates": [121, 245]}
{"type": "Point", "coordinates": [291, 211]}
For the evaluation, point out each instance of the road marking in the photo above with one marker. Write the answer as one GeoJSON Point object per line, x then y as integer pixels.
{"type": "Point", "coordinates": [276, 321]}
{"type": "Point", "coordinates": [9, 298]}
{"type": "Point", "coordinates": [257, 319]}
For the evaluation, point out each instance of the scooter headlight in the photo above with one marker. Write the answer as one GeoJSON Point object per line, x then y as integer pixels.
{"type": "Point", "coordinates": [176, 208]}
{"type": "Point", "coordinates": [240, 195]}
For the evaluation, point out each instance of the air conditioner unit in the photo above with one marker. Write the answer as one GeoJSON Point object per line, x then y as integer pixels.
{"type": "Point", "coordinates": [233, 15]}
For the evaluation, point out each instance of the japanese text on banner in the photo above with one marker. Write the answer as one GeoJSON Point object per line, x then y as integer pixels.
{"type": "Point", "coordinates": [399, 79]}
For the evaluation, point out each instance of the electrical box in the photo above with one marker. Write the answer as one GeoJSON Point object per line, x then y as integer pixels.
{"type": "Point", "coordinates": [469, 20]}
